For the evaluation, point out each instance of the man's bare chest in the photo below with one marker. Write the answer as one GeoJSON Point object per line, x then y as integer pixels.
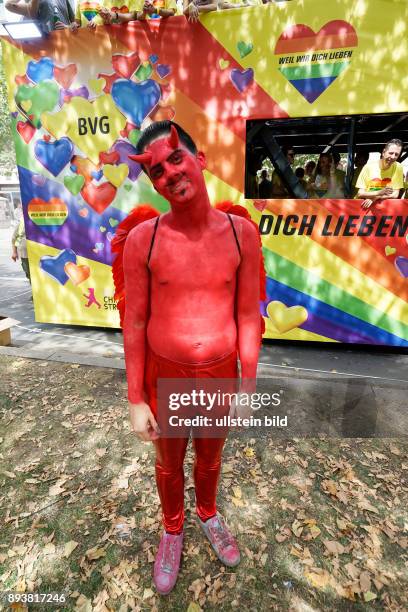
{"type": "Point", "coordinates": [194, 261]}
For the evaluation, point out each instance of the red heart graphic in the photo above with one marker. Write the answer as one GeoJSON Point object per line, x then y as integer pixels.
{"type": "Point", "coordinates": [47, 137]}
{"type": "Point", "coordinates": [26, 130]}
{"type": "Point", "coordinates": [122, 9]}
{"type": "Point", "coordinates": [109, 80]}
{"type": "Point", "coordinates": [109, 158]}
{"type": "Point", "coordinates": [98, 196]}
{"type": "Point", "coordinates": [125, 65]}
{"type": "Point", "coordinates": [65, 75]}
{"type": "Point", "coordinates": [22, 80]}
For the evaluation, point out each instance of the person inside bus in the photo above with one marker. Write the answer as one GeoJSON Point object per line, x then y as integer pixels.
{"type": "Point", "coordinates": [193, 8]}
{"type": "Point", "coordinates": [90, 17]}
{"type": "Point", "coordinates": [309, 171]}
{"type": "Point", "coordinates": [360, 160]}
{"type": "Point", "coordinates": [328, 181]}
{"type": "Point", "coordinates": [279, 189]}
{"type": "Point", "coordinates": [51, 14]}
{"type": "Point", "coordinates": [145, 9]}
{"type": "Point", "coordinates": [300, 173]}
{"type": "Point", "coordinates": [383, 178]}
{"type": "Point", "coordinates": [265, 186]}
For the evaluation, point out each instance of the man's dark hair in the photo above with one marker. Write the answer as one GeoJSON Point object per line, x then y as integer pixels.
{"type": "Point", "coordinates": [300, 172]}
{"type": "Point", "coordinates": [395, 141]}
{"type": "Point", "coordinates": [162, 128]}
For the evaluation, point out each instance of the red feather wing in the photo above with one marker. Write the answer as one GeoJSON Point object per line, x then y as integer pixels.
{"type": "Point", "coordinates": [135, 217]}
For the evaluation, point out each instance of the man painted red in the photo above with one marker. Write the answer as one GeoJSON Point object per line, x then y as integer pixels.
{"type": "Point", "coordinates": [192, 308]}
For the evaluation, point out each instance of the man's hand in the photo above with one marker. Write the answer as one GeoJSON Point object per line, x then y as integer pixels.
{"type": "Point", "coordinates": [239, 410]}
{"type": "Point", "coordinates": [193, 13]}
{"type": "Point", "coordinates": [74, 26]}
{"type": "Point", "coordinates": [14, 254]}
{"type": "Point", "coordinates": [106, 15]}
{"type": "Point", "coordinates": [367, 203]}
{"type": "Point", "coordinates": [91, 25]}
{"type": "Point", "coordinates": [143, 422]}
{"type": "Point", "coordinates": [148, 8]}
{"type": "Point", "coordinates": [58, 25]}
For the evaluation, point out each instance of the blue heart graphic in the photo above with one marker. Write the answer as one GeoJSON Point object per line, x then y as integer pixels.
{"type": "Point", "coordinates": [54, 266]}
{"type": "Point", "coordinates": [54, 155]}
{"type": "Point", "coordinates": [97, 174]}
{"type": "Point", "coordinates": [135, 100]}
{"type": "Point", "coordinates": [41, 70]}
{"type": "Point", "coordinates": [153, 58]}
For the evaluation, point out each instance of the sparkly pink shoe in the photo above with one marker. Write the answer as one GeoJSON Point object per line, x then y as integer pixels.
{"type": "Point", "coordinates": [167, 562]}
{"type": "Point", "coordinates": [222, 540]}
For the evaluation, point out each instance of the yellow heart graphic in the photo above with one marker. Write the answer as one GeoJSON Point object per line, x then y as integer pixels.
{"type": "Point", "coordinates": [116, 174]}
{"type": "Point", "coordinates": [390, 250]}
{"type": "Point", "coordinates": [285, 318]}
{"type": "Point", "coordinates": [223, 63]}
{"type": "Point", "coordinates": [97, 85]}
{"type": "Point", "coordinates": [92, 126]}
{"type": "Point", "coordinates": [56, 123]}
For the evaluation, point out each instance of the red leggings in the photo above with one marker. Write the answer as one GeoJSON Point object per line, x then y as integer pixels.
{"type": "Point", "coordinates": [170, 452]}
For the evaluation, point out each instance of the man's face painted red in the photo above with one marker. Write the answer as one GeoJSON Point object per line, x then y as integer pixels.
{"type": "Point", "coordinates": [176, 173]}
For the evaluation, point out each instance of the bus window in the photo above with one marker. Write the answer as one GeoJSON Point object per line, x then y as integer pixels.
{"type": "Point", "coordinates": [318, 157]}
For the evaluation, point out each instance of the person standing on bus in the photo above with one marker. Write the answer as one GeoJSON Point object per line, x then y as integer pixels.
{"type": "Point", "coordinates": [146, 9]}
{"type": "Point", "coordinates": [383, 178]}
{"type": "Point", "coordinates": [51, 14]}
{"type": "Point", "coordinates": [193, 8]}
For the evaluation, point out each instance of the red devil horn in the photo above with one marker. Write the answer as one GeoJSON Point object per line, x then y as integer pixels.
{"type": "Point", "coordinates": [142, 158]}
{"type": "Point", "coordinates": [173, 139]}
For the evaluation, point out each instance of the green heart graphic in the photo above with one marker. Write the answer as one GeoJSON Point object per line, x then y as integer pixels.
{"type": "Point", "coordinates": [134, 136]}
{"type": "Point", "coordinates": [43, 97]}
{"type": "Point", "coordinates": [74, 184]}
{"type": "Point", "coordinates": [127, 187]}
{"type": "Point", "coordinates": [144, 71]}
{"type": "Point", "coordinates": [113, 222]}
{"type": "Point", "coordinates": [244, 48]}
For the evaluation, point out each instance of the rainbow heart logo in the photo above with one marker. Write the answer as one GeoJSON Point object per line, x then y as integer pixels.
{"type": "Point", "coordinates": [312, 61]}
{"type": "Point", "coordinates": [49, 216]}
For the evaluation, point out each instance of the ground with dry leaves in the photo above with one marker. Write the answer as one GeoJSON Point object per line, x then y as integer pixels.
{"type": "Point", "coordinates": [322, 524]}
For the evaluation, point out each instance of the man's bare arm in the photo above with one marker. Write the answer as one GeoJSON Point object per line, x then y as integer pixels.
{"type": "Point", "coordinates": [134, 330]}
{"type": "Point", "coordinates": [248, 315]}
{"type": "Point", "coordinates": [27, 9]}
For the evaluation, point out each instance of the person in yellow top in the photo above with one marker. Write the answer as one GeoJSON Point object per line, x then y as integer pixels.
{"type": "Point", "coordinates": [88, 12]}
{"type": "Point", "coordinates": [382, 179]}
{"type": "Point", "coordinates": [143, 9]}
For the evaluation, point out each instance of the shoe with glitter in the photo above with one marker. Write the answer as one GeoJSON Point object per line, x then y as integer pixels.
{"type": "Point", "coordinates": [167, 562]}
{"type": "Point", "coordinates": [222, 540]}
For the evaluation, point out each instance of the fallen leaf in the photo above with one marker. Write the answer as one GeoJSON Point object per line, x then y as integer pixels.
{"type": "Point", "coordinates": [335, 548]}
{"type": "Point", "coordinates": [369, 596]}
{"type": "Point", "coordinates": [95, 553]}
{"type": "Point", "coordinates": [69, 547]}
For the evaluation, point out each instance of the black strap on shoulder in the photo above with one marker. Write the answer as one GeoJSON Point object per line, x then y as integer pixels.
{"type": "Point", "coordinates": [153, 239]}
{"type": "Point", "coordinates": [235, 234]}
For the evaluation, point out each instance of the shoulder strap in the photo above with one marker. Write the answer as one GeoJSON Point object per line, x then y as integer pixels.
{"type": "Point", "coordinates": [152, 240]}
{"type": "Point", "coordinates": [235, 233]}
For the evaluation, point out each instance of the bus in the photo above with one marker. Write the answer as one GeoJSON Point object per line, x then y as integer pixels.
{"type": "Point", "coordinates": [263, 91]}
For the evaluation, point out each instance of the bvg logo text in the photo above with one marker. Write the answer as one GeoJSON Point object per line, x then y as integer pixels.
{"type": "Point", "coordinates": [92, 125]}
